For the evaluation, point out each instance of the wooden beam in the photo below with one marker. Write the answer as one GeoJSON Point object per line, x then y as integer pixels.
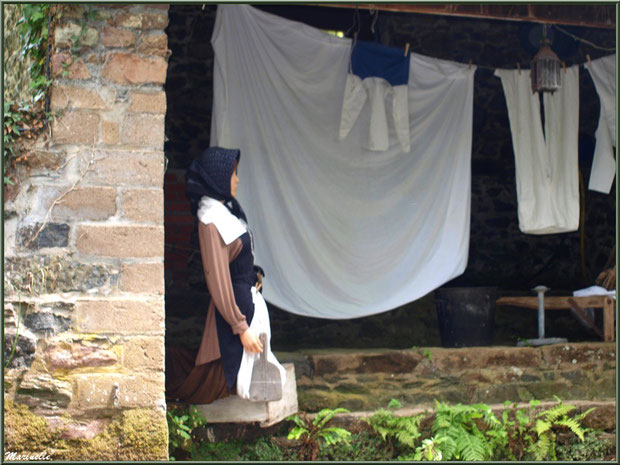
{"type": "Point", "coordinates": [554, 302]}
{"type": "Point", "coordinates": [598, 16]}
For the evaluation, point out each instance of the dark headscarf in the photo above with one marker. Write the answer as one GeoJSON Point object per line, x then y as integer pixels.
{"type": "Point", "coordinates": [209, 174]}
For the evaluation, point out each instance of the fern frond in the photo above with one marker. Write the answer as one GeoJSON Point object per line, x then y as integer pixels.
{"type": "Point", "coordinates": [447, 447]}
{"type": "Point", "coordinates": [573, 425]}
{"type": "Point", "coordinates": [581, 416]}
{"type": "Point", "coordinates": [297, 432]}
{"type": "Point", "coordinates": [326, 415]}
{"type": "Point", "coordinates": [540, 448]}
{"type": "Point", "coordinates": [542, 427]}
{"type": "Point", "coordinates": [556, 412]}
{"type": "Point", "coordinates": [472, 448]}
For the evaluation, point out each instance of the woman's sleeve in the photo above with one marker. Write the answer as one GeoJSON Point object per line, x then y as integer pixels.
{"type": "Point", "coordinates": [215, 264]}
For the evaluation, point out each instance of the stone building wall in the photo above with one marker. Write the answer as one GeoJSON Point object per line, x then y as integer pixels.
{"type": "Point", "coordinates": [500, 255]}
{"type": "Point", "coordinates": [84, 245]}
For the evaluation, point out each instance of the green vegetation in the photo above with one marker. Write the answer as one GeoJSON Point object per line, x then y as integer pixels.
{"type": "Point", "coordinates": [312, 432]}
{"type": "Point", "coordinates": [181, 425]}
{"type": "Point", "coordinates": [449, 432]}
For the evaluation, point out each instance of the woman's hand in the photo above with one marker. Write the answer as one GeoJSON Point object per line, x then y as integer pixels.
{"type": "Point", "coordinates": [250, 341]}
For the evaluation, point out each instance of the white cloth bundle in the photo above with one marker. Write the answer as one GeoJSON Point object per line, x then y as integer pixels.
{"type": "Point", "coordinates": [260, 324]}
{"type": "Point", "coordinates": [341, 231]}
{"type": "Point", "coordinates": [546, 167]}
{"type": "Point", "coordinates": [603, 72]}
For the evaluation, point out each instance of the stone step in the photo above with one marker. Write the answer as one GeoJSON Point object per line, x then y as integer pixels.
{"type": "Point", "coordinates": [234, 409]}
{"type": "Point", "coordinates": [364, 380]}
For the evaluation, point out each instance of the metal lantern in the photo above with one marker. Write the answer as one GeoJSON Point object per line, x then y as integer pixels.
{"type": "Point", "coordinates": [545, 68]}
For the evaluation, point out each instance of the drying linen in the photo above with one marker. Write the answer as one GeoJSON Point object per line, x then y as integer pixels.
{"type": "Point", "coordinates": [546, 163]}
{"type": "Point", "coordinates": [603, 72]}
{"type": "Point", "coordinates": [342, 232]}
{"type": "Point", "coordinates": [378, 71]}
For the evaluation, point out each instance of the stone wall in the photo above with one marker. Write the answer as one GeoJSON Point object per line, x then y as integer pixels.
{"type": "Point", "coordinates": [368, 379]}
{"type": "Point", "coordinates": [84, 236]}
{"type": "Point", "coordinates": [500, 255]}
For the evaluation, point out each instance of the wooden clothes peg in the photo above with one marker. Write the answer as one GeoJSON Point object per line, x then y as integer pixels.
{"type": "Point", "coordinates": [589, 61]}
{"type": "Point", "coordinates": [564, 66]}
{"type": "Point", "coordinates": [519, 67]}
{"type": "Point", "coordinates": [406, 48]}
{"type": "Point", "coordinates": [470, 61]}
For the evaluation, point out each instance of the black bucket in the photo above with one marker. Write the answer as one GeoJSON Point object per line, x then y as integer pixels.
{"type": "Point", "coordinates": [466, 315]}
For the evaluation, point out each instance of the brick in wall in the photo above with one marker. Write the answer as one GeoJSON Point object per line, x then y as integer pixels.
{"type": "Point", "coordinates": [148, 102]}
{"type": "Point", "coordinates": [142, 278]}
{"type": "Point", "coordinates": [87, 203]}
{"type": "Point", "coordinates": [117, 37]}
{"type": "Point", "coordinates": [119, 316]}
{"type": "Point", "coordinates": [76, 68]}
{"type": "Point", "coordinates": [144, 354]}
{"type": "Point", "coordinates": [76, 127]}
{"type": "Point", "coordinates": [143, 205]}
{"type": "Point", "coordinates": [124, 168]}
{"type": "Point", "coordinates": [126, 68]}
{"type": "Point", "coordinates": [121, 241]}
{"type": "Point", "coordinates": [143, 130]}
{"type": "Point", "coordinates": [70, 97]}
{"type": "Point", "coordinates": [97, 391]}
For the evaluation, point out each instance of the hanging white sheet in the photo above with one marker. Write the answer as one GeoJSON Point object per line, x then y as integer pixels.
{"type": "Point", "coordinates": [546, 163]}
{"type": "Point", "coordinates": [603, 72]}
{"type": "Point", "coordinates": [342, 232]}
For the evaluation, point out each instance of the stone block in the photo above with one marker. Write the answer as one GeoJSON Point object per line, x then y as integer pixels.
{"type": "Point", "coordinates": [64, 35]}
{"type": "Point", "coordinates": [148, 102]}
{"type": "Point", "coordinates": [34, 237]}
{"type": "Point", "coordinates": [143, 205]}
{"type": "Point", "coordinates": [144, 354]}
{"type": "Point", "coordinates": [140, 278]}
{"type": "Point", "coordinates": [117, 37]}
{"type": "Point", "coordinates": [76, 68]}
{"type": "Point", "coordinates": [234, 409]}
{"type": "Point", "coordinates": [23, 355]}
{"type": "Point", "coordinates": [118, 168]}
{"type": "Point", "coordinates": [121, 241]}
{"type": "Point", "coordinates": [594, 352]}
{"type": "Point", "coordinates": [111, 132]}
{"type": "Point", "coordinates": [44, 393]}
{"type": "Point", "coordinates": [143, 131]}
{"type": "Point", "coordinates": [49, 160]}
{"type": "Point", "coordinates": [76, 127]}
{"type": "Point", "coordinates": [116, 390]}
{"type": "Point", "coordinates": [127, 68]}
{"type": "Point", "coordinates": [67, 356]}
{"type": "Point", "coordinates": [70, 97]}
{"type": "Point", "coordinates": [46, 322]}
{"type": "Point", "coordinates": [87, 203]}
{"type": "Point", "coordinates": [142, 20]}
{"type": "Point", "coordinates": [119, 316]}
{"type": "Point", "coordinates": [153, 44]}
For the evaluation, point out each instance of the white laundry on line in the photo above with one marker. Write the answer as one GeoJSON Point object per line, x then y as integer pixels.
{"type": "Point", "coordinates": [341, 231]}
{"type": "Point", "coordinates": [547, 175]}
{"type": "Point", "coordinates": [603, 72]}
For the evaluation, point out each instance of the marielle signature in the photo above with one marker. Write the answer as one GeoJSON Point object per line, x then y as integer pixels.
{"type": "Point", "coordinates": [15, 456]}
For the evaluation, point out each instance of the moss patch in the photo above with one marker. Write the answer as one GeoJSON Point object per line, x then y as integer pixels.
{"type": "Point", "coordinates": [138, 434]}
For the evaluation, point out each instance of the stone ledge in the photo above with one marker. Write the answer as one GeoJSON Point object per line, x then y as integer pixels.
{"type": "Point", "coordinates": [233, 409]}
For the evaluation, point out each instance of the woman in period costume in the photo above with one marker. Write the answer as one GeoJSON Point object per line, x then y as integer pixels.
{"type": "Point", "coordinates": [232, 279]}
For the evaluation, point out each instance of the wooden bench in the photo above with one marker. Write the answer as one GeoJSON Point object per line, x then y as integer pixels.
{"type": "Point", "coordinates": [608, 304]}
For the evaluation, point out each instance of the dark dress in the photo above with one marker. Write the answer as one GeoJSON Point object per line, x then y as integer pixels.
{"type": "Point", "coordinates": [211, 373]}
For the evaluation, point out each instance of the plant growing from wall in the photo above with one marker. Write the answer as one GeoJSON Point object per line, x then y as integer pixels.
{"type": "Point", "coordinates": [312, 432]}
{"type": "Point", "coordinates": [27, 115]}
